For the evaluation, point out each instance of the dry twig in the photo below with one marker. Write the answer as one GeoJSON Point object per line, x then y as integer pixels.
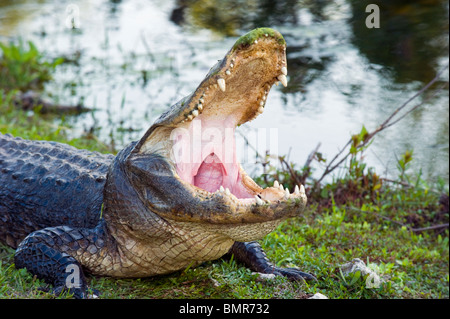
{"type": "Point", "coordinates": [387, 123]}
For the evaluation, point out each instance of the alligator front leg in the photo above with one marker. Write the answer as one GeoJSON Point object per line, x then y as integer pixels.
{"type": "Point", "coordinates": [50, 253]}
{"type": "Point", "coordinates": [253, 256]}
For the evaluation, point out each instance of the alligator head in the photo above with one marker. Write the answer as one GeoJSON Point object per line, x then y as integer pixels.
{"type": "Point", "coordinates": [186, 162]}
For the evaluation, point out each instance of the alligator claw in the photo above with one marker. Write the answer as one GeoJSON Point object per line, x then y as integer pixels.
{"type": "Point", "coordinates": [254, 257]}
{"type": "Point", "coordinates": [77, 293]}
{"type": "Point", "coordinates": [294, 274]}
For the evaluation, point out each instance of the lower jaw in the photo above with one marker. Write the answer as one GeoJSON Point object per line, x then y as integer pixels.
{"type": "Point", "coordinates": [243, 232]}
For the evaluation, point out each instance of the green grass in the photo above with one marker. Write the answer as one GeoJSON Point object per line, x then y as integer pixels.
{"type": "Point", "coordinates": [413, 265]}
{"type": "Point", "coordinates": [356, 216]}
{"type": "Point", "coordinates": [23, 66]}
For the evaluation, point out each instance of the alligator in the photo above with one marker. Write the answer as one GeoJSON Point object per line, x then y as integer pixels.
{"type": "Point", "coordinates": [176, 198]}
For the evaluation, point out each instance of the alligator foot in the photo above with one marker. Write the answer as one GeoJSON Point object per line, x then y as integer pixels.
{"type": "Point", "coordinates": [53, 266]}
{"type": "Point", "coordinates": [58, 291]}
{"type": "Point", "coordinates": [47, 254]}
{"type": "Point", "coordinates": [253, 256]}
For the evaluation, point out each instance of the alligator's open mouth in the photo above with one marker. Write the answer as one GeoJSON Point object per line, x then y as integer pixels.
{"type": "Point", "coordinates": [202, 125]}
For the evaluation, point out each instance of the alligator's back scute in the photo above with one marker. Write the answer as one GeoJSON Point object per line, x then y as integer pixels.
{"type": "Point", "coordinates": [41, 184]}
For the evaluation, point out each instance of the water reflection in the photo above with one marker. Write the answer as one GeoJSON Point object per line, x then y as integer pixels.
{"type": "Point", "coordinates": [13, 13]}
{"type": "Point", "coordinates": [230, 17]}
{"type": "Point", "coordinates": [413, 36]}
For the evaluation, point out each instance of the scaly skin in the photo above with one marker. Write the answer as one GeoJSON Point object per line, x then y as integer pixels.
{"type": "Point", "coordinates": [146, 212]}
{"type": "Point", "coordinates": [41, 184]}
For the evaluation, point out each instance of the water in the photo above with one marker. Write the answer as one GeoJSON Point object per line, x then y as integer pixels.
{"type": "Point", "coordinates": [133, 59]}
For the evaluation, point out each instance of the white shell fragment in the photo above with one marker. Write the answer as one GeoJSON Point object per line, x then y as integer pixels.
{"type": "Point", "coordinates": [318, 295]}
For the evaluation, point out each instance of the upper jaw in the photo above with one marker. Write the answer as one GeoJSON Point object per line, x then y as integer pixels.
{"type": "Point", "coordinates": [241, 80]}
{"type": "Point", "coordinates": [238, 84]}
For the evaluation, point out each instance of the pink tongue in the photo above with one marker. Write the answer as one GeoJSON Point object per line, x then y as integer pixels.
{"type": "Point", "coordinates": [210, 174]}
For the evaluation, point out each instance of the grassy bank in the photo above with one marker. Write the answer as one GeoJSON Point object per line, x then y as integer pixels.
{"type": "Point", "coordinates": [394, 226]}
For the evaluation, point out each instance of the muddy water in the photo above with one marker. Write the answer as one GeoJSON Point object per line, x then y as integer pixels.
{"type": "Point", "coordinates": [133, 59]}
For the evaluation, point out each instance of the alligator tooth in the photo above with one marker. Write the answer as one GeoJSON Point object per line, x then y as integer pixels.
{"type": "Point", "coordinates": [261, 103]}
{"type": "Point", "coordinates": [286, 193]}
{"type": "Point", "coordinates": [221, 188]}
{"type": "Point", "coordinates": [200, 106]}
{"type": "Point", "coordinates": [260, 109]}
{"type": "Point", "coordinates": [259, 201]}
{"type": "Point", "coordinates": [276, 83]}
{"type": "Point", "coordinates": [264, 97]}
{"type": "Point", "coordinates": [266, 35]}
{"type": "Point", "coordinates": [302, 189]}
{"type": "Point", "coordinates": [227, 72]}
{"type": "Point", "coordinates": [282, 79]}
{"type": "Point", "coordinates": [221, 83]}
{"type": "Point", "coordinates": [296, 190]}
{"type": "Point", "coordinates": [227, 191]}
{"type": "Point", "coordinates": [256, 41]}
{"type": "Point", "coordinates": [201, 100]}
{"type": "Point", "coordinates": [195, 113]}
{"type": "Point", "coordinates": [190, 117]}
{"type": "Point", "coordinates": [231, 65]}
{"type": "Point", "coordinates": [276, 184]}
{"type": "Point", "coordinates": [281, 187]}
{"type": "Point", "coordinates": [284, 70]}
